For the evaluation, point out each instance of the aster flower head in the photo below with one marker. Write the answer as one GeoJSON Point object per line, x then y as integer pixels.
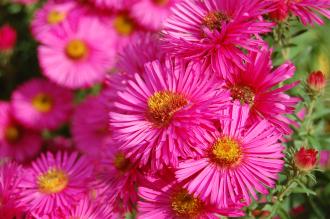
{"type": "Point", "coordinates": [158, 11]}
{"type": "Point", "coordinates": [255, 86]}
{"type": "Point", "coordinates": [16, 141]}
{"type": "Point", "coordinates": [158, 114]}
{"type": "Point", "coordinates": [117, 179]}
{"type": "Point", "coordinates": [74, 56]}
{"type": "Point", "coordinates": [308, 11]}
{"type": "Point", "coordinates": [54, 183]}
{"type": "Point", "coordinates": [10, 176]}
{"type": "Point", "coordinates": [40, 104]}
{"type": "Point", "coordinates": [169, 200]}
{"type": "Point", "coordinates": [8, 37]}
{"type": "Point", "coordinates": [90, 126]}
{"type": "Point", "coordinates": [238, 161]}
{"type": "Point", "coordinates": [51, 15]}
{"type": "Point", "coordinates": [215, 31]}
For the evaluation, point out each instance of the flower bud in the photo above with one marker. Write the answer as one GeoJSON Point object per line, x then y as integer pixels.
{"type": "Point", "coordinates": [7, 38]}
{"type": "Point", "coordinates": [316, 81]}
{"type": "Point", "coordinates": [305, 159]}
{"type": "Point", "coordinates": [281, 13]}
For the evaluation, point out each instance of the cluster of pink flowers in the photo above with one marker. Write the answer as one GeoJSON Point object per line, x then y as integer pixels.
{"type": "Point", "coordinates": [188, 122]}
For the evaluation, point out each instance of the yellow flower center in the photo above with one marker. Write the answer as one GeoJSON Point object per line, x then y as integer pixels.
{"type": "Point", "coordinates": [214, 20]}
{"type": "Point", "coordinates": [53, 181]}
{"type": "Point", "coordinates": [55, 17]}
{"type": "Point", "coordinates": [161, 2]}
{"type": "Point", "coordinates": [42, 102]}
{"type": "Point", "coordinates": [185, 205]}
{"type": "Point", "coordinates": [121, 162]}
{"type": "Point", "coordinates": [226, 152]}
{"type": "Point", "coordinates": [243, 93]}
{"type": "Point", "coordinates": [12, 133]}
{"type": "Point", "coordinates": [162, 105]}
{"type": "Point", "coordinates": [76, 49]}
{"type": "Point", "coordinates": [124, 25]}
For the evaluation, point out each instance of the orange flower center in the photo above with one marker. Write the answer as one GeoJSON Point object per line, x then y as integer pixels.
{"type": "Point", "coordinates": [162, 105]}
{"type": "Point", "coordinates": [121, 162]}
{"type": "Point", "coordinates": [214, 20]}
{"type": "Point", "coordinates": [124, 25]}
{"type": "Point", "coordinates": [53, 181]}
{"type": "Point", "coordinates": [226, 152]}
{"type": "Point", "coordinates": [13, 133]}
{"type": "Point", "coordinates": [76, 49]}
{"type": "Point", "coordinates": [185, 205]}
{"type": "Point", "coordinates": [42, 103]}
{"type": "Point", "coordinates": [55, 17]}
{"type": "Point", "coordinates": [161, 2]}
{"type": "Point", "coordinates": [243, 93]}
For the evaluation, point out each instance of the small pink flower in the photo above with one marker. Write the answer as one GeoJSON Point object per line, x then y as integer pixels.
{"type": "Point", "coordinates": [237, 162]}
{"type": "Point", "coordinates": [8, 38]}
{"type": "Point", "coordinates": [158, 114]}
{"type": "Point", "coordinates": [306, 159]}
{"type": "Point", "coordinates": [257, 87]}
{"type": "Point", "coordinates": [75, 56]}
{"type": "Point", "coordinates": [54, 183]}
{"type": "Point", "coordinates": [51, 15]}
{"type": "Point", "coordinates": [215, 31]}
{"type": "Point", "coordinates": [16, 141]}
{"type": "Point", "coordinates": [41, 104]}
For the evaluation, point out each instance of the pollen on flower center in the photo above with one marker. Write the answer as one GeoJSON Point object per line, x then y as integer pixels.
{"type": "Point", "coordinates": [76, 49]}
{"type": "Point", "coordinates": [161, 2]}
{"type": "Point", "coordinates": [124, 25]}
{"type": "Point", "coordinates": [185, 205]}
{"type": "Point", "coordinates": [226, 152]}
{"type": "Point", "coordinates": [214, 20]}
{"type": "Point", "coordinates": [42, 102]}
{"type": "Point", "coordinates": [55, 17]}
{"type": "Point", "coordinates": [162, 105]}
{"type": "Point", "coordinates": [121, 162]}
{"type": "Point", "coordinates": [53, 181]}
{"type": "Point", "coordinates": [12, 133]}
{"type": "Point", "coordinates": [243, 93]}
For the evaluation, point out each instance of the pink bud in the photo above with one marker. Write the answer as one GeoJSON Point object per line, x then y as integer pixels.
{"type": "Point", "coordinates": [7, 38]}
{"type": "Point", "coordinates": [305, 159]}
{"type": "Point", "coordinates": [316, 81]}
{"type": "Point", "coordinates": [282, 11]}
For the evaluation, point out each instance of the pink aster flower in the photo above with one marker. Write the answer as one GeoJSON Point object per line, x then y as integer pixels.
{"type": "Point", "coordinates": [8, 37]}
{"type": "Point", "coordinates": [144, 47]}
{"type": "Point", "coordinates": [16, 141]}
{"type": "Point", "coordinates": [117, 178]}
{"type": "Point", "coordinates": [54, 183]}
{"type": "Point", "coordinates": [10, 176]}
{"type": "Point", "coordinates": [307, 10]}
{"type": "Point", "coordinates": [238, 161]}
{"type": "Point", "coordinates": [40, 104]}
{"type": "Point", "coordinates": [49, 16]}
{"type": "Point", "coordinates": [172, 201]}
{"type": "Point", "coordinates": [158, 11]}
{"type": "Point", "coordinates": [75, 56]}
{"type": "Point", "coordinates": [215, 31]}
{"type": "Point", "coordinates": [161, 112]}
{"type": "Point", "coordinates": [257, 86]}
{"type": "Point", "coordinates": [90, 126]}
